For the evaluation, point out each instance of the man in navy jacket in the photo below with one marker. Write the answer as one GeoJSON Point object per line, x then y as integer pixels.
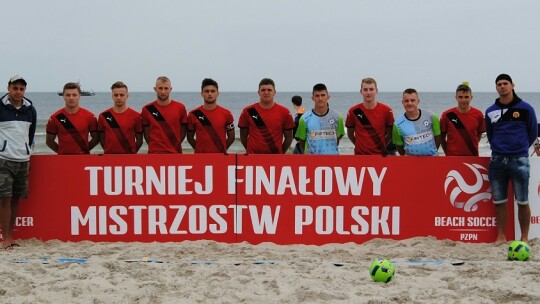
{"type": "Point", "coordinates": [511, 128]}
{"type": "Point", "coordinates": [17, 129]}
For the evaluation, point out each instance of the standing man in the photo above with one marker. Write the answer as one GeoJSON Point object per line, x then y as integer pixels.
{"type": "Point", "coordinates": [210, 127]}
{"type": "Point", "coordinates": [17, 129]}
{"type": "Point", "coordinates": [120, 127]}
{"type": "Point", "coordinates": [320, 129]}
{"type": "Point", "coordinates": [266, 127]}
{"type": "Point", "coordinates": [164, 120]}
{"type": "Point", "coordinates": [369, 124]}
{"type": "Point", "coordinates": [72, 124]}
{"type": "Point", "coordinates": [296, 101]}
{"type": "Point", "coordinates": [416, 132]}
{"type": "Point", "coordinates": [462, 126]}
{"type": "Point", "coordinates": [511, 128]}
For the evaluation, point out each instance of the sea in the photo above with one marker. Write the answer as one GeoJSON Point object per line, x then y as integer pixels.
{"type": "Point", "coordinates": [47, 103]}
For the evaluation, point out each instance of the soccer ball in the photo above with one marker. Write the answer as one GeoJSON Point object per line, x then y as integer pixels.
{"type": "Point", "coordinates": [381, 270]}
{"type": "Point", "coordinates": [518, 251]}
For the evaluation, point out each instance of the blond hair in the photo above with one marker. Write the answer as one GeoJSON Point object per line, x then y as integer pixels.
{"type": "Point", "coordinates": [368, 80]}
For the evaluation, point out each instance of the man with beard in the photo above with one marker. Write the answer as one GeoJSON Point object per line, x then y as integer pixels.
{"type": "Point", "coordinates": [210, 126]}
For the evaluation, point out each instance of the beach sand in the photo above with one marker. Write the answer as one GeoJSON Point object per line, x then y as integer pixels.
{"type": "Point", "coordinates": [210, 272]}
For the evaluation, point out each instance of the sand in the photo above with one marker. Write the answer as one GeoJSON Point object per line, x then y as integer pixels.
{"type": "Point", "coordinates": [210, 272]}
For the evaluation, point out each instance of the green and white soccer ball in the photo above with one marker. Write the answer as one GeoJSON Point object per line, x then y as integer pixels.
{"type": "Point", "coordinates": [382, 270]}
{"type": "Point", "coordinates": [518, 251]}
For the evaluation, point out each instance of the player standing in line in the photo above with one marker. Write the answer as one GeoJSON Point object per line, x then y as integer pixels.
{"type": "Point", "coordinates": [369, 124]}
{"type": "Point", "coordinates": [320, 129]}
{"type": "Point", "coordinates": [462, 126]}
{"type": "Point", "coordinates": [72, 124]}
{"type": "Point", "coordinates": [416, 132]}
{"type": "Point", "coordinates": [120, 127]}
{"type": "Point", "coordinates": [265, 126]}
{"type": "Point", "coordinates": [210, 127]}
{"type": "Point", "coordinates": [164, 120]}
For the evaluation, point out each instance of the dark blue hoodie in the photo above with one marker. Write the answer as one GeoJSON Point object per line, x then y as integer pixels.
{"type": "Point", "coordinates": [511, 129]}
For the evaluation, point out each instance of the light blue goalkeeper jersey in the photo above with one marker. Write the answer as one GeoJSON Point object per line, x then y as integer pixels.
{"type": "Point", "coordinates": [321, 133]}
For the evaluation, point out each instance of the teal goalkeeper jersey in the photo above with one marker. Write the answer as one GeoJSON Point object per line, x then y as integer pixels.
{"type": "Point", "coordinates": [321, 133]}
{"type": "Point", "coordinates": [417, 136]}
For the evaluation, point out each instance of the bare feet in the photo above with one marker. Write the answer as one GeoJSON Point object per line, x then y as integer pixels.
{"type": "Point", "coordinates": [499, 241]}
{"type": "Point", "coordinates": [9, 245]}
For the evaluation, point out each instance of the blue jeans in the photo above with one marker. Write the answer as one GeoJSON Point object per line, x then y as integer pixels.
{"type": "Point", "coordinates": [503, 169]}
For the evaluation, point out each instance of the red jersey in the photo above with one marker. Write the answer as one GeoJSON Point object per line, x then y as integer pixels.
{"type": "Point", "coordinates": [164, 124]}
{"type": "Point", "coordinates": [462, 131]}
{"type": "Point", "coordinates": [120, 129]}
{"type": "Point", "coordinates": [72, 130]}
{"type": "Point", "coordinates": [210, 127]}
{"type": "Point", "coordinates": [369, 127]}
{"type": "Point", "coordinates": [265, 127]}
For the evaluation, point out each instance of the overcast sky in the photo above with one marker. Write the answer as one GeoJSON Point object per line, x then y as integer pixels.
{"type": "Point", "coordinates": [426, 44]}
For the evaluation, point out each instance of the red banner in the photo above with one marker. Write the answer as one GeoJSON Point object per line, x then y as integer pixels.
{"type": "Point", "coordinates": [285, 199]}
{"type": "Point", "coordinates": [319, 200]}
{"type": "Point", "coordinates": [129, 198]}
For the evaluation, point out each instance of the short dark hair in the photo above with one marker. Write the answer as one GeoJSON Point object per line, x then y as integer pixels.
{"type": "Point", "coordinates": [267, 81]}
{"type": "Point", "coordinates": [296, 100]}
{"type": "Point", "coordinates": [207, 82]}
{"type": "Point", "coordinates": [72, 85]}
{"type": "Point", "coordinates": [410, 91]}
{"type": "Point", "coordinates": [119, 85]}
{"type": "Point", "coordinates": [463, 88]}
{"type": "Point", "coordinates": [320, 87]}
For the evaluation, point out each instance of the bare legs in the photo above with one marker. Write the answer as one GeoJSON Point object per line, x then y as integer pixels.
{"type": "Point", "coordinates": [8, 213]}
{"type": "Point", "coordinates": [501, 214]}
{"type": "Point", "coordinates": [524, 217]}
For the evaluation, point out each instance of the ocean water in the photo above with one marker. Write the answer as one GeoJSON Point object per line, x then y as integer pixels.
{"type": "Point", "coordinates": [47, 103]}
